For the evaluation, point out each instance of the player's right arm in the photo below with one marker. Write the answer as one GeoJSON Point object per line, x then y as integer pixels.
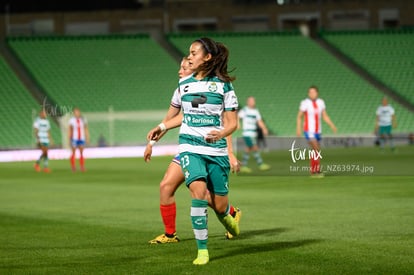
{"type": "Point", "coordinates": [376, 124]}
{"type": "Point", "coordinates": [171, 113]}
{"type": "Point", "coordinates": [154, 133]}
{"type": "Point", "coordinates": [299, 123]}
{"type": "Point", "coordinates": [234, 162]}
{"type": "Point", "coordinates": [148, 152]}
{"type": "Point", "coordinates": [70, 134]}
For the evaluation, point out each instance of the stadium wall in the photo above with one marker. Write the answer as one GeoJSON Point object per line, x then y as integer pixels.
{"type": "Point", "coordinates": [226, 15]}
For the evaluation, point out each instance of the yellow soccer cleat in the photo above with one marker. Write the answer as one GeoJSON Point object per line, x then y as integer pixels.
{"type": "Point", "coordinates": [230, 224]}
{"type": "Point", "coordinates": [163, 238]}
{"type": "Point", "coordinates": [202, 257]}
{"type": "Point", "coordinates": [237, 217]}
{"type": "Point", "coordinates": [264, 167]}
{"type": "Point", "coordinates": [318, 175]}
{"type": "Point", "coordinates": [245, 169]}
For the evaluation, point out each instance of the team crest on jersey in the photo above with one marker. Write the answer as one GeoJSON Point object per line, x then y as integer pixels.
{"type": "Point", "coordinates": [212, 87]}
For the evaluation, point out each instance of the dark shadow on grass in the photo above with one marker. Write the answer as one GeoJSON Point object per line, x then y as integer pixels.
{"type": "Point", "coordinates": [247, 234]}
{"type": "Point", "coordinates": [80, 263]}
{"type": "Point", "coordinates": [266, 247]}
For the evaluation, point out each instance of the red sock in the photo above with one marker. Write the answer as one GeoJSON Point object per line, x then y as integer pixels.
{"type": "Point", "coordinates": [82, 161]}
{"type": "Point", "coordinates": [231, 210]}
{"type": "Point", "coordinates": [72, 160]}
{"type": "Point", "coordinates": [312, 165]}
{"type": "Point", "coordinates": [317, 165]}
{"type": "Point", "coordinates": [168, 214]}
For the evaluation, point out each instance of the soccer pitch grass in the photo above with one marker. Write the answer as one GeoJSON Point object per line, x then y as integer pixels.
{"type": "Point", "coordinates": [99, 222]}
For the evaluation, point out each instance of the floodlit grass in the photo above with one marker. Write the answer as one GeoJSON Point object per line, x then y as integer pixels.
{"type": "Point", "coordinates": [99, 222]}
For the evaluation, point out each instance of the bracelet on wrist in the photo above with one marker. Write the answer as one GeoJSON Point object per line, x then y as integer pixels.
{"type": "Point", "coordinates": [162, 126]}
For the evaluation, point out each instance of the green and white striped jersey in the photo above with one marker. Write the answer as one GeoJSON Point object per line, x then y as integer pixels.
{"type": "Point", "coordinates": [249, 118]}
{"type": "Point", "coordinates": [202, 103]}
{"type": "Point", "coordinates": [43, 126]}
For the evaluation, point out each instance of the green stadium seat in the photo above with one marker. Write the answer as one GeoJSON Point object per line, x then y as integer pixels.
{"type": "Point", "coordinates": [277, 69]}
{"type": "Point", "coordinates": [387, 55]}
{"type": "Point", "coordinates": [128, 73]}
{"type": "Point", "coordinates": [17, 112]}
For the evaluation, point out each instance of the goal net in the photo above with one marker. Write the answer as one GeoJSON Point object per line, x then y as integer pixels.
{"type": "Point", "coordinates": [119, 128]}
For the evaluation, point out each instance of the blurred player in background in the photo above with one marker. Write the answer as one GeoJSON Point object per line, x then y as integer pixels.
{"type": "Point", "coordinates": [385, 121]}
{"type": "Point", "coordinates": [174, 177]}
{"type": "Point", "coordinates": [312, 109]}
{"type": "Point", "coordinates": [78, 136]}
{"type": "Point", "coordinates": [251, 119]}
{"type": "Point", "coordinates": [43, 139]}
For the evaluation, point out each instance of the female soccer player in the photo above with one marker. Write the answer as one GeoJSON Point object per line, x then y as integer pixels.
{"type": "Point", "coordinates": [78, 136]}
{"type": "Point", "coordinates": [385, 122]}
{"type": "Point", "coordinates": [174, 177]}
{"type": "Point", "coordinates": [209, 105]}
{"type": "Point", "coordinates": [251, 120]}
{"type": "Point", "coordinates": [313, 109]}
{"type": "Point", "coordinates": [42, 133]}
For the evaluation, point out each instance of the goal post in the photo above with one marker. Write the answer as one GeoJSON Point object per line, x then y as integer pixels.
{"type": "Point", "coordinates": [119, 128]}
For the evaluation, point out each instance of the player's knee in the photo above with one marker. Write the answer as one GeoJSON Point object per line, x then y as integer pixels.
{"type": "Point", "coordinates": [198, 190]}
{"type": "Point", "coordinates": [166, 188]}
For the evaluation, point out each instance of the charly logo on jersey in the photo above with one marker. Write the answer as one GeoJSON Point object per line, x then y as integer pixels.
{"type": "Point", "coordinates": [212, 87]}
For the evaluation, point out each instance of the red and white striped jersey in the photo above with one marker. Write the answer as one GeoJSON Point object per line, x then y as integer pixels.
{"type": "Point", "coordinates": [78, 126]}
{"type": "Point", "coordinates": [312, 110]}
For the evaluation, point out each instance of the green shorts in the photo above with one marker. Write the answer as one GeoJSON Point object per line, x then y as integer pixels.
{"type": "Point", "coordinates": [249, 141]}
{"type": "Point", "coordinates": [43, 144]}
{"type": "Point", "coordinates": [214, 170]}
{"type": "Point", "coordinates": [384, 130]}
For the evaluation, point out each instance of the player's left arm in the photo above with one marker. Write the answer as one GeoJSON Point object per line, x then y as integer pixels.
{"type": "Point", "coordinates": [87, 134]}
{"type": "Point", "coordinates": [50, 137]}
{"type": "Point", "coordinates": [36, 133]}
{"type": "Point", "coordinates": [229, 126]}
{"type": "Point", "coordinates": [394, 121]}
{"type": "Point", "coordinates": [263, 127]}
{"type": "Point", "coordinates": [328, 121]}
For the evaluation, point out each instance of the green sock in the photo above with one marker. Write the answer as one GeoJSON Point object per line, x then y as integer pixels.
{"type": "Point", "coordinates": [45, 162]}
{"type": "Point", "coordinates": [245, 159]}
{"type": "Point", "coordinates": [258, 158]}
{"type": "Point", "coordinates": [199, 222]}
